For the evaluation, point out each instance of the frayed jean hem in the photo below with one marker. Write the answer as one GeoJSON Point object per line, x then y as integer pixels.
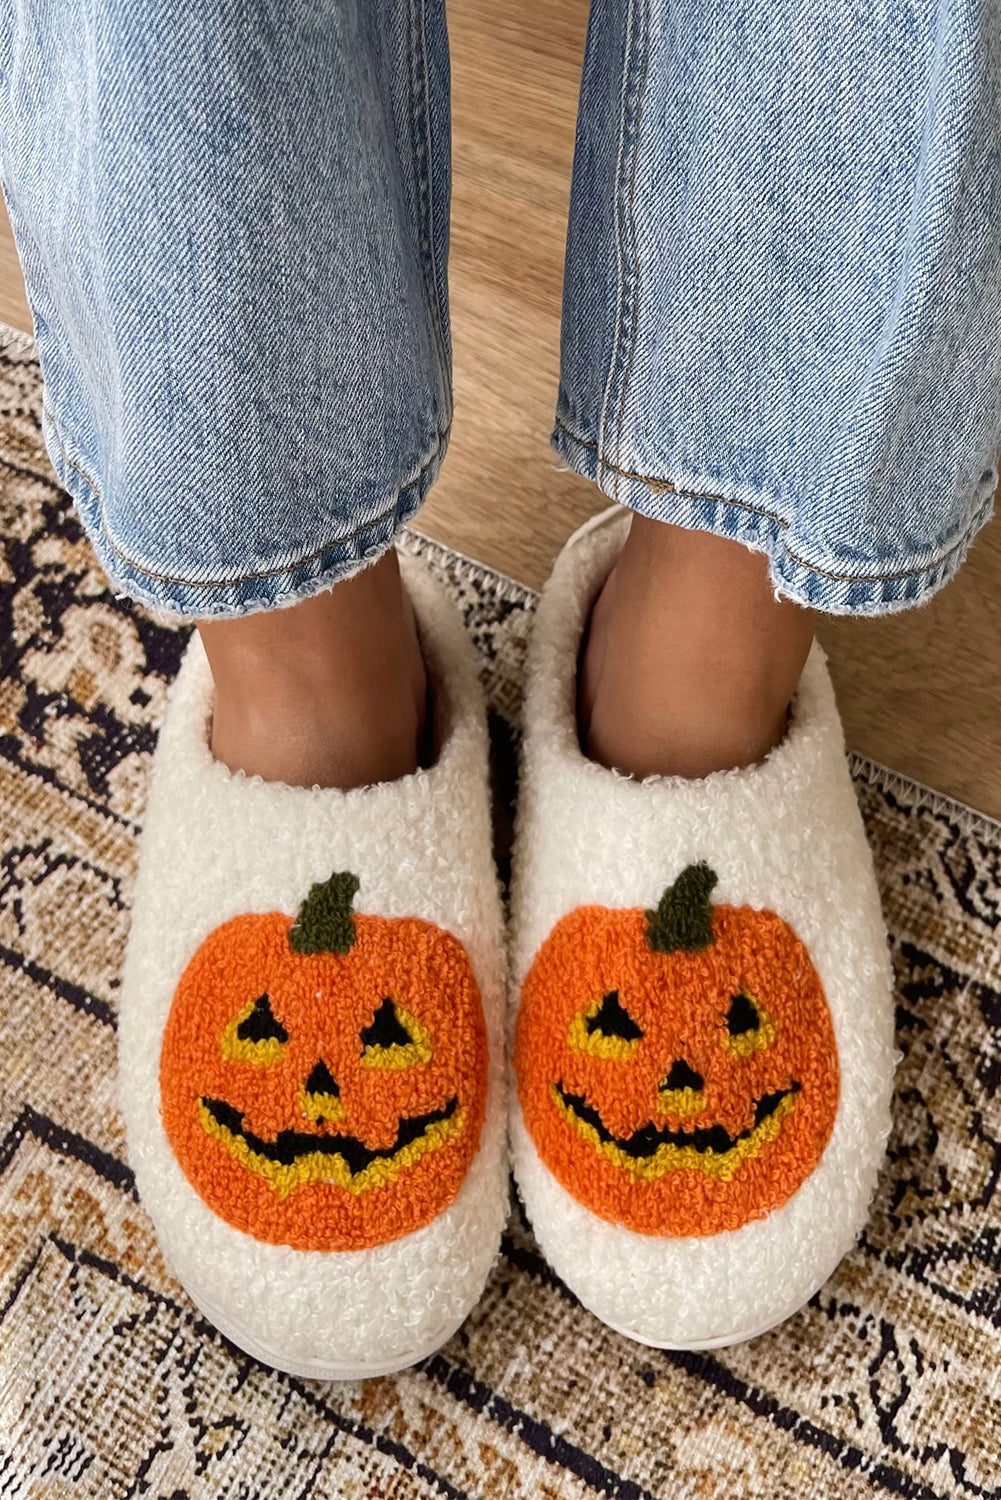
{"type": "Point", "coordinates": [758, 527]}
{"type": "Point", "coordinates": [285, 583]}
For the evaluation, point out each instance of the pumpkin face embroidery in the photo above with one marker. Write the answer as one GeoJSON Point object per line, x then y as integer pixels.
{"type": "Point", "coordinates": [323, 1079]}
{"type": "Point", "coordinates": [677, 1068]}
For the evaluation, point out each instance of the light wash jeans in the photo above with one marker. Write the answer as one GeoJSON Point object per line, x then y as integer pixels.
{"type": "Point", "coordinates": [782, 304]}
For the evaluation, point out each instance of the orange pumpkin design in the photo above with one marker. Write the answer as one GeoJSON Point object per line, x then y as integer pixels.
{"type": "Point", "coordinates": [323, 1079]}
{"type": "Point", "coordinates": [677, 1069]}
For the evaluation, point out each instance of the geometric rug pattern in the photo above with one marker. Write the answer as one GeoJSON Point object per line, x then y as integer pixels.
{"type": "Point", "coordinates": [112, 1385]}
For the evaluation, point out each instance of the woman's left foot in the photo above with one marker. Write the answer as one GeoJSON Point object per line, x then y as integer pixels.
{"type": "Point", "coordinates": [680, 676]}
{"type": "Point", "coordinates": [704, 1036]}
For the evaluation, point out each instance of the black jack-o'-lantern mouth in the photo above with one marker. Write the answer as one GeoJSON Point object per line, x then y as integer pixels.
{"type": "Point", "coordinates": [652, 1151]}
{"type": "Point", "coordinates": [298, 1156]}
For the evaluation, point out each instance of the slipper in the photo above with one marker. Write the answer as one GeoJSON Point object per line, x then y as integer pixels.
{"type": "Point", "coordinates": [311, 1035]}
{"type": "Point", "coordinates": [703, 1039]}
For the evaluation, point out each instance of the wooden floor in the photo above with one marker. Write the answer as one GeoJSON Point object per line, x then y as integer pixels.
{"type": "Point", "coordinates": [920, 691]}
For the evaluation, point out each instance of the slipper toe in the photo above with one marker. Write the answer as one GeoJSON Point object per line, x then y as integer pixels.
{"type": "Point", "coordinates": [311, 1035]}
{"type": "Point", "coordinates": [703, 1037]}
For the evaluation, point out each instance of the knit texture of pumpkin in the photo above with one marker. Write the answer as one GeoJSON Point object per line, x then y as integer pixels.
{"type": "Point", "coordinates": [323, 1080]}
{"type": "Point", "coordinates": [677, 1067]}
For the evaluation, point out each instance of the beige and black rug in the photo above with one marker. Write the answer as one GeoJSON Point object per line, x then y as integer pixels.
{"type": "Point", "coordinates": [889, 1383]}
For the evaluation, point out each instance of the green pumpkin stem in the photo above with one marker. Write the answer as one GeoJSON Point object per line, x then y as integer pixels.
{"type": "Point", "coordinates": [325, 923]}
{"type": "Point", "coordinates": [684, 917]}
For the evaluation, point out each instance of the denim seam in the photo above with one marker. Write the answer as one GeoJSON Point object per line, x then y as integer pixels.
{"type": "Point", "coordinates": [623, 350]}
{"type": "Point", "coordinates": [425, 190]}
{"type": "Point", "coordinates": [570, 430]}
{"type": "Point", "coordinates": [927, 567]}
{"type": "Point", "coordinates": [606, 401]}
{"type": "Point", "coordinates": [444, 348]}
{"type": "Point", "coordinates": [213, 583]}
{"type": "Point", "coordinates": [666, 486]}
{"type": "Point", "coordinates": [633, 237]}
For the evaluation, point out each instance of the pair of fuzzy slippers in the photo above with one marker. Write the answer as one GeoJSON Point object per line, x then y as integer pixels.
{"type": "Point", "coordinates": [313, 1031]}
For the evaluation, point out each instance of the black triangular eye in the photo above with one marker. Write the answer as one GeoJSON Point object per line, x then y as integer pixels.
{"type": "Point", "coordinates": [322, 1081]}
{"type": "Point", "coordinates": [612, 1019]}
{"type": "Point", "coordinates": [386, 1029]}
{"type": "Point", "coordinates": [742, 1016]}
{"type": "Point", "coordinates": [260, 1025]}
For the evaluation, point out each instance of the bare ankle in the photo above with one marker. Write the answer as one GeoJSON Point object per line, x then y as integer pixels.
{"type": "Point", "coordinates": [328, 692]}
{"type": "Point", "coordinates": [690, 662]}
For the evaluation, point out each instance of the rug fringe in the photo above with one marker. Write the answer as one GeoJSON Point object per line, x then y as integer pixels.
{"type": "Point", "coordinates": [970, 819]}
{"type": "Point", "coordinates": [468, 569]}
{"type": "Point", "coordinates": [16, 339]}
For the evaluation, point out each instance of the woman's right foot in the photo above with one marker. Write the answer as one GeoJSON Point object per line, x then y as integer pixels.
{"type": "Point", "coordinates": [328, 692]}
{"type": "Point", "coordinates": [311, 1033]}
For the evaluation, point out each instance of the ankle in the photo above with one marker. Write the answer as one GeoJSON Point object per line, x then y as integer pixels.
{"type": "Point", "coordinates": [329, 692]}
{"type": "Point", "coordinates": [690, 662]}
{"type": "Point", "coordinates": [323, 736]}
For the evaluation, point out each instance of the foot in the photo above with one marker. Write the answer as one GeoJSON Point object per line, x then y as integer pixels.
{"type": "Point", "coordinates": [704, 1040]}
{"type": "Point", "coordinates": [311, 1010]}
{"type": "Point", "coordinates": [690, 662]}
{"type": "Point", "coordinates": [330, 692]}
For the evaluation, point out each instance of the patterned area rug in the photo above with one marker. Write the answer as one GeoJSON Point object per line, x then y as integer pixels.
{"type": "Point", "coordinates": [112, 1386]}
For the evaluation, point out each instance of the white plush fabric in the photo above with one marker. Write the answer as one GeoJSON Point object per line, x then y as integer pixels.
{"type": "Point", "coordinates": [217, 844]}
{"type": "Point", "coordinates": [785, 835]}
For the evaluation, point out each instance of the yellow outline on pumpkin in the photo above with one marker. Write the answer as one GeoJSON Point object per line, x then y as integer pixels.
{"type": "Point", "coordinates": [747, 1042]}
{"type": "Point", "coordinates": [320, 1166]}
{"type": "Point", "coordinates": [682, 1102]}
{"type": "Point", "coordinates": [417, 1051]}
{"type": "Point", "coordinates": [595, 1043]}
{"type": "Point", "coordinates": [721, 1167]}
{"type": "Point", "coordinates": [235, 1048]}
{"type": "Point", "coordinates": [319, 1106]}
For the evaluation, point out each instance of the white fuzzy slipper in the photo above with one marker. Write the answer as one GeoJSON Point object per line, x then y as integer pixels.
{"type": "Point", "coordinates": [703, 1040]}
{"type": "Point", "coordinates": [312, 1032]}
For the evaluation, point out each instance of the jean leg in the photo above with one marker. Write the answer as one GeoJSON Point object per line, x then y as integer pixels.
{"type": "Point", "coordinates": [232, 220]}
{"type": "Point", "coordinates": [782, 303]}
